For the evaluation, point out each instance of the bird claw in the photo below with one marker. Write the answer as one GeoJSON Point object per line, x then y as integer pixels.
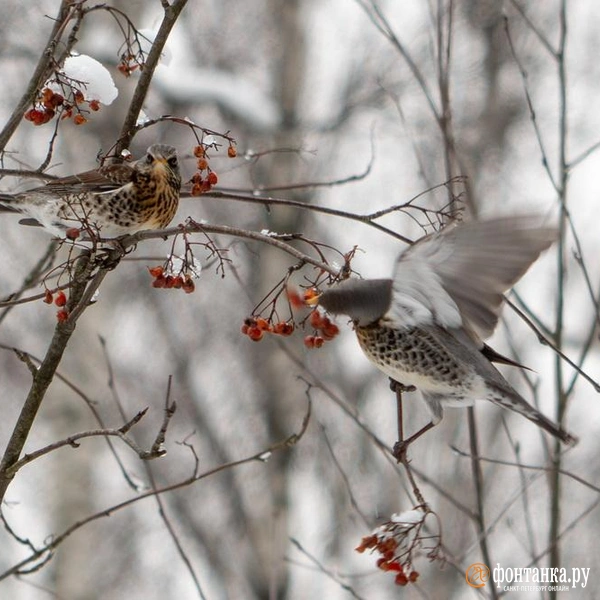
{"type": "Point", "coordinates": [396, 386]}
{"type": "Point", "coordinates": [400, 451]}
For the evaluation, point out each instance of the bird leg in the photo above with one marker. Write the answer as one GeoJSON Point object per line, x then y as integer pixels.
{"type": "Point", "coordinates": [401, 446]}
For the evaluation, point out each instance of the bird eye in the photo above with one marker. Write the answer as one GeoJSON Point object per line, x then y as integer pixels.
{"type": "Point", "coordinates": [149, 159]}
{"type": "Point", "coordinates": [173, 161]}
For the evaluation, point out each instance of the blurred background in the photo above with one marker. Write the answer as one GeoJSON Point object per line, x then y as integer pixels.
{"type": "Point", "coordinates": [381, 103]}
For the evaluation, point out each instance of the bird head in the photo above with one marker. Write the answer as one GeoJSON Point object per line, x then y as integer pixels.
{"type": "Point", "coordinates": [365, 301]}
{"type": "Point", "coordinates": [160, 160]}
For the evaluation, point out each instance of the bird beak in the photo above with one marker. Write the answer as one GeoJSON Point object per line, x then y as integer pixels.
{"type": "Point", "coordinates": [311, 297]}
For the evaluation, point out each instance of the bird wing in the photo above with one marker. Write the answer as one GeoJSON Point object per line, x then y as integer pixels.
{"type": "Point", "coordinates": [103, 179]}
{"type": "Point", "coordinates": [457, 277]}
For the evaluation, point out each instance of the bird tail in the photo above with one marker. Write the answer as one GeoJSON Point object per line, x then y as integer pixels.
{"type": "Point", "coordinates": [510, 399]}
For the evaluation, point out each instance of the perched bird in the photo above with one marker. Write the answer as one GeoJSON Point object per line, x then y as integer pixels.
{"type": "Point", "coordinates": [424, 328]}
{"type": "Point", "coordinates": [109, 202]}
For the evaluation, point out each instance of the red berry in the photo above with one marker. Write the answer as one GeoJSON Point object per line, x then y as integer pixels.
{"type": "Point", "coordinates": [316, 319]}
{"type": "Point", "coordinates": [294, 298]}
{"type": "Point", "coordinates": [212, 178]}
{"type": "Point", "coordinates": [283, 328]}
{"type": "Point", "coordinates": [309, 341]}
{"type": "Point", "coordinates": [255, 334]}
{"type": "Point", "coordinates": [159, 282]}
{"type": "Point", "coordinates": [413, 576]}
{"type": "Point", "coordinates": [263, 324]}
{"type": "Point", "coordinates": [61, 298]}
{"type": "Point", "coordinates": [94, 105]}
{"type": "Point", "coordinates": [319, 341]}
{"type": "Point", "coordinates": [329, 330]}
{"type": "Point", "coordinates": [62, 315]}
{"type": "Point", "coordinates": [178, 282]}
{"type": "Point", "coordinates": [156, 271]}
{"type": "Point", "coordinates": [72, 233]}
{"type": "Point", "coordinates": [401, 579]}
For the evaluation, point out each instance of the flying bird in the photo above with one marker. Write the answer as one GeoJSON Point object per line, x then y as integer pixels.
{"type": "Point", "coordinates": [425, 327]}
{"type": "Point", "coordinates": [111, 201]}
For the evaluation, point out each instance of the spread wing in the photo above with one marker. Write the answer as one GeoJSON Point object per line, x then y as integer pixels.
{"type": "Point", "coordinates": [457, 277]}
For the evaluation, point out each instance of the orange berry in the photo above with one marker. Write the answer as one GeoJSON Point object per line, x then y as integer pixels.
{"type": "Point", "coordinates": [79, 97]}
{"type": "Point", "coordinates": [413, 576]}
{"type": "Point", "coordinates": [94, 105]}
{"type": "Point", "coordinates": [61, 298]}
{"type": "Point", "coordinates": [62, 315]}
{"type": "Point", "coordinates": [255, 334]}
{"type": "Point", "coordinates": [263, 324]}
{"type": "Point", "coordinates": [156, 271]}
{"type": "Point", "coordinates": [231, 152]}
{"type": "Point", "coordinates": [48, 297]}
{"type": "Point", "coordinates": [199, 151]}
{"type": "Point", "coordinates": [79, 119]}
{"type": "Point", "coordinates": [178, 282]}
{"type": "Point", "coordinates": [202, 164]}
{"type": "Point", "coordinates": [212, 178]}
{"type": "Point", "coordinates": [319, 341]}
{"type": "Point", "coordinates": [244, 329]}
{"type": "Point", "coordinates": [196, 189]}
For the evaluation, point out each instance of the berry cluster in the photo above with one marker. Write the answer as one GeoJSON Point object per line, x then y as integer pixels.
{"type": "Point", "coordinates": [129, 63]}
{"type": "Point", "coordinates": [256, 327]}
{"type": "Point", "coordinates": [397, 541]}
{"type": "Point", "coordinates": [60, 300]}
{"type": "Point", "coordinates": [204, 178]}
{"type": "Point", "coordinates": [49, 103]}
{"type": "Point", "coordinates": [325, 330]}
{"type": "Point", "coordinates": [388, 561]}
{"type": "Point", "coordinates": [164, 280]}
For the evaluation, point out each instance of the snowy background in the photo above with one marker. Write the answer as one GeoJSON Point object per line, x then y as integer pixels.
{"type": "Point", "coordinates": [312, 92]}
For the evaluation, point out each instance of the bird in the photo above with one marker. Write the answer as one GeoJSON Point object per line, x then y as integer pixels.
{"type": "Point", "coordinates": [108, 202]}
{"type": "Point", "coordinates": [424, 327]}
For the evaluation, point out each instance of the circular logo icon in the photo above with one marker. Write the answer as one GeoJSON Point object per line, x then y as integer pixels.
{"type": "Point", "coordinates": [477, 575]}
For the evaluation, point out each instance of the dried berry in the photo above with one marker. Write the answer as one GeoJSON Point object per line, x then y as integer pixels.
{"type": "Point", "coordinates": [48, 297]}
{"type": "Point", "coordinates": [231, 152]}
{"type": "Point", "coordinates": [212, 178]}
